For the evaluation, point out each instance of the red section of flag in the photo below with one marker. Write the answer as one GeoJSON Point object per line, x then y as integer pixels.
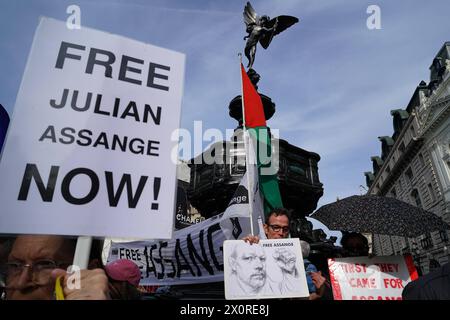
{"type": "Point", "coordinates": [254, 111]}
{"type": "Point", "coordinates": [411, 267]}
{"type": "Point", "coordinates": [336, 287]}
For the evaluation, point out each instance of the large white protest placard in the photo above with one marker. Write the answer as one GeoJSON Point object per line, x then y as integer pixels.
{"type": "Point", "coordinates": [193, 255]}
{"type": "Point", "coordinates": [270, 269]}
{"type": "Point", "coordinates": [377, 278]}
{"type": "Point", "coordinates": [89, 147]}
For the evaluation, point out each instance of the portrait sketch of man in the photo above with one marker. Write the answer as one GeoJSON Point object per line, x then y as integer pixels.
{"type": "Point", "coordinates": [270, 269]}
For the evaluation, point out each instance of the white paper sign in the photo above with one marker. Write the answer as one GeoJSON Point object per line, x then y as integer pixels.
{"type": "Point", "coordinates": [192, 256]}
{"type": "Point", "coordinates": [89, 147]}
{"type": "Point", "coordinates": [377, 278]}
{"type": "Point", "coordinates": [271, 269]}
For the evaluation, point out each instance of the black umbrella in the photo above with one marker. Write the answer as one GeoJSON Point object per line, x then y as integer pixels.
{"type": "Point", "coordinates": [379, 215]}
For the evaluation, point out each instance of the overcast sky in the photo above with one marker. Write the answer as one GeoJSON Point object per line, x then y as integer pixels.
{"type": "Point", "coordinates": [333, 80]}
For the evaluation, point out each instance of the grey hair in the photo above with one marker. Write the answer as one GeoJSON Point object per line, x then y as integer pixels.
{"type": "Point", "coordinates": [305, 248]}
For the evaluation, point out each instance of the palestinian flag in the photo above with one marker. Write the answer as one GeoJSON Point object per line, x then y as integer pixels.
{"type": "Point", "coordinates": [255, 122]}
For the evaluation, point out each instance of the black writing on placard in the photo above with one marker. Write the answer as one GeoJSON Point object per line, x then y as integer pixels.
{"type": "Point", "coordinates": [115, 186]}
{"type": "Point", "coordinates": [101, 140]}
{"type": "Point", "coordinates": [104, 61]}
{"type": "Point", "coordinates": [194, 254]}
{"type": "Point", "coordinates": [129, 254]}
{"type": "Point", "coordinates": [116, 115]}
{"type": "Point", "coordinates": [115, 108]}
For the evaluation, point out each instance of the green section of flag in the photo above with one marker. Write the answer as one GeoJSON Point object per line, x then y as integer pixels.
{"type": "Point", "coordinates": [267, 176]}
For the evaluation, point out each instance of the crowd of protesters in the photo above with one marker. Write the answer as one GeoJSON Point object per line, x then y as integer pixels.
{"type": "Point", "coordinates": [30, 265]}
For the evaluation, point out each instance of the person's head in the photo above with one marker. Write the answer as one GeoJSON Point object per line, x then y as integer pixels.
{"type": "Point", "coordinates": [32, 260]}
{"type": "Point", "coordinates": [277, 224]}
{"type": "Point", "coordinates": [124, 277]}
{"type": "Point", "coordinates": [355, 244]}
{"type": "Point", "coordinates": [248, 262]}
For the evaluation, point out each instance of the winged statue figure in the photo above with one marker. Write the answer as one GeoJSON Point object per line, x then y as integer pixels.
{"type": "Point", "coordinates": [262, 29]}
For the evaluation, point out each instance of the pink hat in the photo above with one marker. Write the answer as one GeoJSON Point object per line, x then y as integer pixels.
{"type": "Point", "coordinates": [124, 270]}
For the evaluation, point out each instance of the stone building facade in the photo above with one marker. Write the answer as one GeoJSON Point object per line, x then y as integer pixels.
{"type": "Point", "coordinates": [414, 165]}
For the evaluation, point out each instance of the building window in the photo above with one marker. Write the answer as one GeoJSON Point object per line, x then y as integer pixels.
{"type": "Point", "coordinates": [400, 187]}
{"type": "Point", "coordinates": [393, 193]}
{"type": "Point", "coordinates": [409, 175]}
{"type": "Point", "coordinates": [431, 192]}
{"type": "Point", "coordinates": [413, 132]}
{"type": "Point", "coordinates": [443, 235]}
{"type": "Point", "coordinates": [388, 169]}
{"type": "Point", "coordinates": [401, 147]}
{"type": "Point", "coordinates": [421, 160]}
{"type": "Point", "coordinates": [415, 197]}
{"type": "Point", "coordinates": [426, 242]}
